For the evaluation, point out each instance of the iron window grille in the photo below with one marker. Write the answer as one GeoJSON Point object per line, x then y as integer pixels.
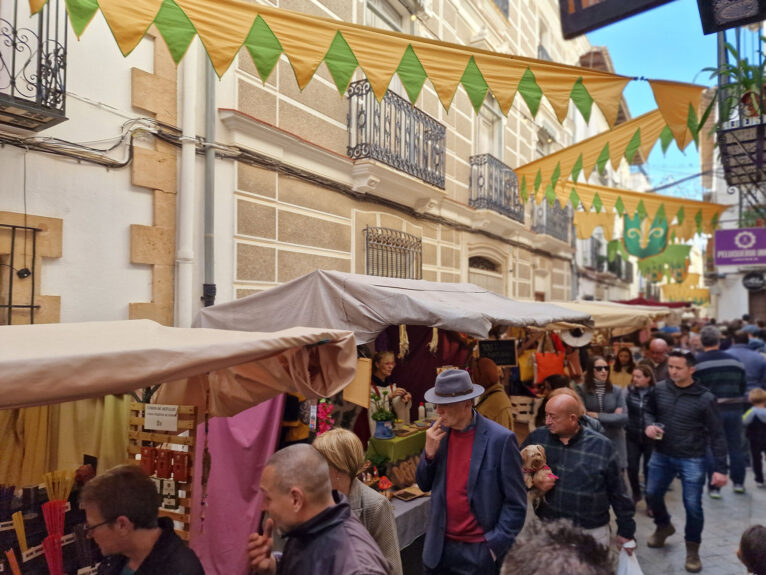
{"type": "Point", "coordinates": [12, 271]}
{"type": "Point", "coordinates": [395, 132]}
{"type": "Point", "coordinates": [495, 186]}
{"type": "Point", "coordinates": [33, 68]}
{"type": "Point", "coordinates": [393, 253]}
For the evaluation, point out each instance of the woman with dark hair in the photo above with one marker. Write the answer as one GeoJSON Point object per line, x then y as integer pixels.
{"type": "Point", "coordinates": [544, 389]}
{"type": "Point", "coordinates": [394, 398]}
{"type": "Point", "coordinates": [637, 443]}
{"type": "Point", "coordinates": [606, 403]}
{"type": "Point", "coordinates": [622, 369]}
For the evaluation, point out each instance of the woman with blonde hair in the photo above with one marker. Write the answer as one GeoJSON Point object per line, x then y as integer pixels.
{"type": "Point", "coordinates": [345, 455]}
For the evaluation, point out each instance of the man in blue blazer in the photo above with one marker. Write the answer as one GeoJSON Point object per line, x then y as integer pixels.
{"type": "Point", "coordinates": [472, 467]}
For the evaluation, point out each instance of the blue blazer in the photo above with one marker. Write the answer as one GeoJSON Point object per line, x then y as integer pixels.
{"type": "Point", "coordinates": [496, 491]}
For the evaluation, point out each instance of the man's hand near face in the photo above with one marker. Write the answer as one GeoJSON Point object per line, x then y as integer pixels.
{"type": "Point", "coordinates": [259, 550]}
{"type": "Point", "coordinates": [434, 436]}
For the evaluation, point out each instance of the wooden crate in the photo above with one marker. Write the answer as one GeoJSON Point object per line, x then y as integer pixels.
{"type": "Point", "coordinates": [186, 436]}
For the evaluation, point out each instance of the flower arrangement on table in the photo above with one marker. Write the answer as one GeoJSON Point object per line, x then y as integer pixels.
{"type": "Point", "coordinates": [382, 410]}
{"type": "Point", "coordinates": [324, 420]}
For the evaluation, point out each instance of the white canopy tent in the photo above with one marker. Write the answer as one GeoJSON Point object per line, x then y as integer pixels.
{"type": "Point", "coordinates": [367, 305]}
{"type": "Point", "coordinates": [622, 318]}
{"type": "Point", "coordinates": [228, 371]}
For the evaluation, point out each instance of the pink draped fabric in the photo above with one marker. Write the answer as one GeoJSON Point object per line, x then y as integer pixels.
{"type": "Point", "coordinates": [239, 447]}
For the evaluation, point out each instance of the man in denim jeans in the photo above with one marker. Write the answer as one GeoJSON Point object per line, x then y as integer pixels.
{"type": "Point", "coordinates": [691, 422]}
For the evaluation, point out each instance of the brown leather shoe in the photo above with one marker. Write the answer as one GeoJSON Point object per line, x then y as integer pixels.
{"type": "Point", "coordinates": [657, 539]}
{"type": "Point", "coordinates": [693, 563]}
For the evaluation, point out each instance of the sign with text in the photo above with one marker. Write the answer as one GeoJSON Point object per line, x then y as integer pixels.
{"type": "Point", "coordinates": [740, 247]}
{"type": "Point", "coordinates": [580, 16]}
{"type": "Point", "coordinates": [501, 351]}
{"type": "Point", "coordinates": [718, 15]}
{"type": "Point", "coordinates": [161, 417]}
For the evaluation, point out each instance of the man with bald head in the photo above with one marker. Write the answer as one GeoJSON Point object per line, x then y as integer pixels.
{"type": "Point", "coordinates": [323, 536]}
{"type": "Point", "coordinates": [658, 354]}
{"type": "Point", "coordinates": [586, 479]}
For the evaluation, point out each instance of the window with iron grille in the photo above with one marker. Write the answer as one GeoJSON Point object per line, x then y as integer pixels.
{"type": "Point", "coordinates": [17, 274]}
{"type": "Point", "coordinates": [393, 253]}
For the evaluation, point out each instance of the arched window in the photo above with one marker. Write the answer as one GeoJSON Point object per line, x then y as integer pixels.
{"type": "Point", "coordinates": [486, 273]}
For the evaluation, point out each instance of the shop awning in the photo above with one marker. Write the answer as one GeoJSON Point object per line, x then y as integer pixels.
{"type": "Point", "coordinates": [225, 26]}
{"type": "Point", "coordinates": [609, 315]}
{"type": "Point", "coordinates": [52, 363]}
{"type": "Point", "coordinates": [641, 301]}
{"type": "Point", "coordinates": [366, 305]}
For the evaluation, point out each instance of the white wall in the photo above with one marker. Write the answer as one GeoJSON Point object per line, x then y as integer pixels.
{"type": "Point", "coordinates": [94, 276]}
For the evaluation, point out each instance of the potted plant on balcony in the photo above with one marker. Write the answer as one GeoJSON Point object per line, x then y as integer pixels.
{"type": "Point", "coordinates": [743, 83]}
{"type": "Point", "coordinates": [383, 416]}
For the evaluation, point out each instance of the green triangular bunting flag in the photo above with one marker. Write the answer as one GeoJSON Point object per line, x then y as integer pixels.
{"type": "Point", "coordinates": [581, 98]}
{"type": "Point", "coordinates": [597, 203]}
{"type": "Point", "coordinates": [176, 29]}
{"type": "Point", "coordinates": [474, 84]}
{"type": "Point", "coordinates": [81, 12]}
{"type": "Point", "coordinates": [574, 198]}
{"type": "Point", "coordinates": [619, 206]}
{"type": "Point", "coordinates": [641, 211]}
{"type": "Point", "coordinates": [680, 215]}
{"type": "Point", "coordinates": [412, 74]}
{"type": "Point", "coordinates": [577, 168]}
{"type": "Point", "coordinates": [603, 158]}
{"type": "Point", "coordinates": [264, 48]}
{"type": "Point", "coordinates": [666, 136]}
{"type": "Point", "coordinates": [341, 62]}
{"type": "Point", "coordinates": [633, 145]}
{"type": "Point", "coordinates": [530, 91]}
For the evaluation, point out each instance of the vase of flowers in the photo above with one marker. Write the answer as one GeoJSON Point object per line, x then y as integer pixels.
{"type": "Point", "coordinates": [383, 416]}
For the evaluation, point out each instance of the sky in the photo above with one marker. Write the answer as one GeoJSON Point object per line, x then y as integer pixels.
{"type": "Point", "coordinates": [664, 43]}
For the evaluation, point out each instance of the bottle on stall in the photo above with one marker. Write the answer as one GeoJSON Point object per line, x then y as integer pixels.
{"type": "Point", "coordinates": [421, 411]}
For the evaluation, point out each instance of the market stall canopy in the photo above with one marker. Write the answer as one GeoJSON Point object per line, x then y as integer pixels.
{"type": "Point", "coordinates": [225, 26]}
{"type": "Point", "coordinates": [52, 363]}
{"type": "Point", "coordinates": [642, 301]}
{"type": "Point", "coordinates": [609, 315]}
{"type": "Point", "coordinates": [367, 305]}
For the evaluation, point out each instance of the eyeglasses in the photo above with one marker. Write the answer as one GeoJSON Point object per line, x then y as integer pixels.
{"type": "Point", "coordinates": [88, 529]}
{"type": "Point", "coordinates": [600, 368]}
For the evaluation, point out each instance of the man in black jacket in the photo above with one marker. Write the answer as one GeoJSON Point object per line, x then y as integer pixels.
{"type": "Point", "coordinates": [323, 536]}
{"type": "Point", "coordinates": [121, 512]}
{"type": "Point", "coordinates": [691, 421]}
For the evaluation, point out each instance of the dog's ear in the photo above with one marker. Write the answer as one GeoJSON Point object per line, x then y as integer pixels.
{"type": "Point", "coordinates": [541, 450]}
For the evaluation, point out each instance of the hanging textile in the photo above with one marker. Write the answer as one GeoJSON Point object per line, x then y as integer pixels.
{"type": "Point", "coordinates": [586, 222]}
{"type": "Point", "coordinates": [688, 291]}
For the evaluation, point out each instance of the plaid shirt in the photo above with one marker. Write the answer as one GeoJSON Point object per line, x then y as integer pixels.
{"type": "Point", "coordinates": [589, 481]}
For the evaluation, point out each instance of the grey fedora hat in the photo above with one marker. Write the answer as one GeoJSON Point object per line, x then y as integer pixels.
{"type": "Point", "coordinates": [453, 385]}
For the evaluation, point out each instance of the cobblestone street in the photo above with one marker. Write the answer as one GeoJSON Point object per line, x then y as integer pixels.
{"type": "Point", "coordinates": [725, 520]}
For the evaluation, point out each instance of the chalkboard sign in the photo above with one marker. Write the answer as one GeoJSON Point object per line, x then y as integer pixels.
{"type": "Point", "coordinates": [501, 351]}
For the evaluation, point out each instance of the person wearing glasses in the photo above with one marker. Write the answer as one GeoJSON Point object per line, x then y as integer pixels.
{"type": "Point", "coordinates": [690, 421]}
{"type": "Point", "coordinates": [606, 402]}
{"type": "Point", "coordinates": [121, 512]}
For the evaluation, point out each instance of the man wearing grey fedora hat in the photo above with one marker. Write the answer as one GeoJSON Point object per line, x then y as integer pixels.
{"type": "Point", "coordinates": [472, 467]}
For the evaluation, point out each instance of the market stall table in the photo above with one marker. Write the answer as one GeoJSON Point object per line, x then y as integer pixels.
{"type": "Point", "coordinates": [411, 518]}
{"type": "Point", "coordinates": [397, 448]}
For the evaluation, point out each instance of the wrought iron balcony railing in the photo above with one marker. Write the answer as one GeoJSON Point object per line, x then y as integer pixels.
{"type": "Point", "coordinates": [494, 186]}
{"type": "Point", "coordinates": [396, 133]}
{"type": "Point", "coordinates": [33, 67]}
{"type": "Point", "coordinates": [553, 220]}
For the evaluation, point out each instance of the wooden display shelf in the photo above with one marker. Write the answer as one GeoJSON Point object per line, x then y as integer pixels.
{"type": "Point", "coordinates": [182, 440]}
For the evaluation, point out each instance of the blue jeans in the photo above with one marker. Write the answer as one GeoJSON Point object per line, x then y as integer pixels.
{"type": "Point", "coordinates": [731, 418]}
{"type": "Point", "coordinates": [662, 470]}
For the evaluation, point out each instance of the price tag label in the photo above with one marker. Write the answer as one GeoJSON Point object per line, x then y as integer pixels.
{"type": "Point", "coordinates": [31, 553]}
{"type": "Point", "coordinates": [161, 417]}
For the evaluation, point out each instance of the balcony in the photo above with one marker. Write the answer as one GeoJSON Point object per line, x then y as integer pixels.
{"type": "Point", "coordinates": [494, 186]}
{"type": "Point", "coordinates": [33, 66]}
{"type": "Point", "coordinates": [620, 268]}
{"type": "Point", "coordinates": [553, 220]}
{"type": "Point", "coordinates": [395, 133]}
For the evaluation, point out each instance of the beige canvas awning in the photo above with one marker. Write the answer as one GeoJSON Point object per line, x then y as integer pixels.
{"type": "Point", "coordinates": [43, 364]}
{"type": "Point", "coordinates": [624, 318]}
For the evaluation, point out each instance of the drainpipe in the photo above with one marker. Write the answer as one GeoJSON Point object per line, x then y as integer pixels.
{"type": "Point", "coordinates": [186, 199]}
{"type": "Point", "coordinates": [208, 287]}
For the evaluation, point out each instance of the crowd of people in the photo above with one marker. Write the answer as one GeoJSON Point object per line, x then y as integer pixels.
{"type": "Point", "coordinates": [680, 406]}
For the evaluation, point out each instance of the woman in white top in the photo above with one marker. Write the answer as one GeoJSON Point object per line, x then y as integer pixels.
{"type": "Point", "coordinates": [399, 400]}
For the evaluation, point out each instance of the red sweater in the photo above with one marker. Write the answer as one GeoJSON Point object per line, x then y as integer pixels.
{"type": "Point", "coordinates": [461, 522]}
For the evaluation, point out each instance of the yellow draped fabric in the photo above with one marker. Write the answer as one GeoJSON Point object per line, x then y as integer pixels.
{"type": "Point", "coordinates": [687, 291]}
{"type": "Point", "coordinates": [710, 213]}
{"type": "Point", "coordinates": [651, 125]}
{"type": "Point", "coordinates": [676, 117]}
{"type": "Point", "coordinates": [586, 222]}
{"type": "Point", "coordinates": [224, 25]}
{"type": "Point", "coordinates": [36, 440]}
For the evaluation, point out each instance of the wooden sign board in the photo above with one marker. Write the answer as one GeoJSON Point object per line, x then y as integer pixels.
{"type": "Point", "coordinates": [581, 16]}
{"type": "Point", "coordinates": [501, 351]}
{"type": "Point", "coordinates": [358, 391]}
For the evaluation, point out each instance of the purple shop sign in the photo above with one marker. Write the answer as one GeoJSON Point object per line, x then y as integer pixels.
{"type": "Point", "coordinates": [745, 246]}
